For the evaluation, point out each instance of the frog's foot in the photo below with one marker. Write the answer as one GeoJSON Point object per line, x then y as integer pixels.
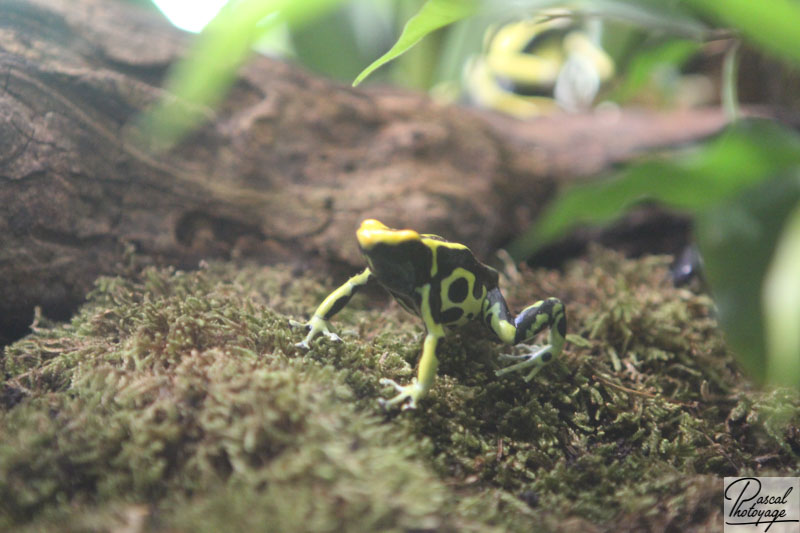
{"type": "Point", "coordinates": [315, 326]}
{"type": "Point", "coordinates": [412, 393]}
{"type": "Point", "coordinates": [536, 359]}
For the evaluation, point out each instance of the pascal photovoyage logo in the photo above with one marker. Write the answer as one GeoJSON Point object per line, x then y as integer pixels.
{"type": "Point", "coordinates": [763, 504]}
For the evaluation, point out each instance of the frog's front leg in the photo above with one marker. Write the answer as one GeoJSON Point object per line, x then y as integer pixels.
{"type": "Point", "coordinates": [428, 363]}
{"type": "Point", "coordinates": [335, 302]}
{"type": "Point", "coordinates": [533, 319]}
{"type": "Point", "coordinates": [419, 387]}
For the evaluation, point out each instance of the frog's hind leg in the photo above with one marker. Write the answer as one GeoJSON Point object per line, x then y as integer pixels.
{"type": "Point", "coordinates": [548, 313]}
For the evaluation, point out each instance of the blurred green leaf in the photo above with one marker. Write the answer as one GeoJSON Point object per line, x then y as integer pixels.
{"type": "Point", "coordinates": [433, 15]}
{"type": "Point", "coordinates": [737, 239]}
{"type": "Point", "coordinates": [696, 179]}
{"type": "Point", "coordinates": [671, 17]}
{"type": "Point", "coordinates": [774, 25]}
{"type": "Point", "coordinates": [671, 54]}
{"type": "Point", "coordinates": [655, 16]}
{"type": "Point", "coordinates": [200, 80]}
{"type": "Point", "coordinates": [781, 304]}
{"type": "Point", "coordinates": [328, 45]}
{"type": "Point", "coordinates": [730, 82]}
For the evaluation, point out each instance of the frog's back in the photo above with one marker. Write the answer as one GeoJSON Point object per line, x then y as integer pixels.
{"type": "Point", "coordinates": [459, 255]}
{"type": "Point", "coordinates": [459, 282]}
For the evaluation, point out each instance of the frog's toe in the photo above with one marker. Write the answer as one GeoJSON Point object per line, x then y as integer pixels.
{"type": "Point", "coordinates": [315, 326]}
{"type": "Point", "coordinates": [393, 383]}
{"type": "Point", "coordinates": [535, 370]}
{"type": "Point", "coordinates": [399, 399]}
{"type": "Point", "coordinates": [536, 359]}
{"type": "Point", "coordinates": [332, 336]}
{"type": "Point", "coordinates": [532, 349]}
{"type": "Point", "coordinates": [295, 324]}
{"type": "Point", "coordinates": [303, 345]}
{"type": "Point", "coordinates": [407, 394]}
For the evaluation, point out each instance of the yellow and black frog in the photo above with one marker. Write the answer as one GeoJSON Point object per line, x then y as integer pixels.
{"type": "Point", "coordinates": [442, 283]}
{"type": "Point", "coordinates": [535, 66]}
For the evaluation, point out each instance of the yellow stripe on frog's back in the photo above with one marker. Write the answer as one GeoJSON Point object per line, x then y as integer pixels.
{"type": "Point", "coordinates": [434, 242]}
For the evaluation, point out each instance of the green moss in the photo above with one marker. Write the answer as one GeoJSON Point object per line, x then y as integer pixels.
{"type": "Point", "coordinates": [178, 401]}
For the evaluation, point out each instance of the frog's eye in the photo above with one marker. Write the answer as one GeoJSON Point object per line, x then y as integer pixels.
{"type": "Point", "coordinates": [373, 232]}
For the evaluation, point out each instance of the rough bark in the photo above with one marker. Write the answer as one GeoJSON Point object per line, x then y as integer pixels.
{"type": "Point", "coordinates": [284, 168]}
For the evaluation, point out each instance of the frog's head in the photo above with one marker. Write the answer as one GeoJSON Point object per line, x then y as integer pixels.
{"type": "Point", "coordinates": [373, 232]}
{"type": "Point", "coordinates": [397, 257]}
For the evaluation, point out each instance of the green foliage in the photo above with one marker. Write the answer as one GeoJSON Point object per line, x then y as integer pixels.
{"type": "Point", "coordinates": [433, 15]}
{"type": "Point", "coordinates": [771, 24]}
{"type": "Point", "coordinates": [644, 65]}
{"type": "Point", "coordinates": [740, 187]}
{"type": "Point", "coordinates": [738, 239]}
{"type": "Point", "coordinates": [179, 402]}
{"type": "Point", "coordinates": [313, 42]}
{"type": "Point", "coordinates": [781, 294]}
{"type": "Point", "coordinates": [202, 79]}
{"type": "Point", "coordinates": [693, 179]}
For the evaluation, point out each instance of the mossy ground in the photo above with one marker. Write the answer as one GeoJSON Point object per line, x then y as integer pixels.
{"type": "Point", "coordinates": [177, 401]}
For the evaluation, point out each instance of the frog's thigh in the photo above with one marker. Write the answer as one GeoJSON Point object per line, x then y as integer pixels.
{"type": "Point", "coordinates": [497, 316]}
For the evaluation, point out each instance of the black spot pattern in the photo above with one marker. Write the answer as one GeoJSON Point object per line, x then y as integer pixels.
{"type": "Point", "coordinates": [451, 315]}
{"type": "Point", "coordinates": [477, 289]}
{"type": "Point", "coordinates": [447, 261]}
{"type": "Point", "coordinates": [457, 292]}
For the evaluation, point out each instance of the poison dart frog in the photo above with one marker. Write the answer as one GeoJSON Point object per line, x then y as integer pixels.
{"type": "Point", "coordinates": [445, 285]}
